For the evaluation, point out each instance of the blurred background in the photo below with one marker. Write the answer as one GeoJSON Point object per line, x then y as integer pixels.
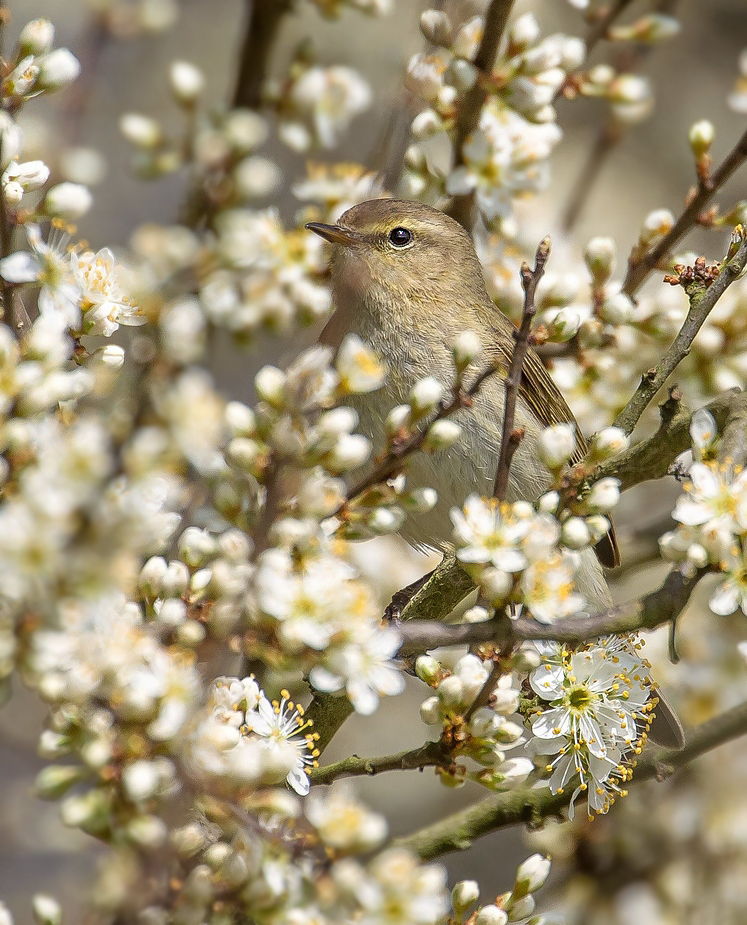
{"type": "Point", "coordinates": [125, 49]}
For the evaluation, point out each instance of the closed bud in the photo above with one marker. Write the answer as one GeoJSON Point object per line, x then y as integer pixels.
{"type": "Point", "coordinates": [451, 691]}
{"type": "Point", "coordinates": [617, 309]}
{"type": "Point", "coordinates": [491, 915]}
{"type": "Point", "coordinates": [599, 526]}
{"type": "Point", "coordinates": [524, 32]}
{"type": "Point", "coordinates": [425, 395]}
{"type": "Point", "coordinates": [51, 783]}
{"type": "Point", "coordinates": [270, 385]}
{"type": "Point", "coordinates": [175, 580]}
{"type": "Point", "coordinates": [151, 576]}
{"type": "Point", "coordinates": [240, 419]}
{"type": "Point", "coordinates": [564, 325]}
{"type": "Point", "coordinates": [442, 435]}
{"type": "Point", "coordinates": [188, 840]}
{"type": "Point", "coordinates": [521, 908]}
{"type": "Point", "coordinates": [36, 37]}
{"type": "Point", "coordinates": [421, 500]}
{"type": "Point", "coordinates": [57, 69]}
{"type": "Point", "coordinates": [701, 137]}
{"type": "Point", "coordinates": [141, 131]}
{"type": "Point", "coordinates": [196, 547]}
{"type": "Point", "coordinates": [187, 82]}
{"type": "Point", "coordinates": [462, 74]}
{"type": "Point", "coordinates": [603, 496]}
{"type": "Point", "coordinates": [337, 422]}
{"type": "Point", "coordinates": [426, 124]}
{"type": "Point", "coordinates": [350, 452]}
{"type": "Point", "coordinates": [649, 30]}
{"type": "Point", "coordinates": [148, 832]}
{"type": "Point", "coordinates": [531, 875]}
{"type": "Point", "coordinates": [575, 534]}
{"type": "Point", "coordinates": [244, 453]}
{"type": "Point", "coordinates": [427, 668]}
{"type": "Point", "coordinates": [608, 443]}
{"type": "Point", "coordinates": [496, 585]}
{"type": "Point", "coordinates": [436, 27]}
{"type": "Point", "coordinates": [465, 894]}
{"type": "Point", "coordinates": [466, 347]}
{"type": "Point", "coordinates": [112, 356]}
{"type": "Point", "coordinates": [46, 910]}
{"type": "Point", "coordinates": [600, 259]}
{"type": "Point", "coordinates": [549, 502]}
{"type": "Point", "coordinates": [655, 226]}
{"type": "Point", "coordinates": [430, 711]}
{"type": "Point", "coordinates": [556, 445]}
{"type": "Point", "coordinates": [68, 201]}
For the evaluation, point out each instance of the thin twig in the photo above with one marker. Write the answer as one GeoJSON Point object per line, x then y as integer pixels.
{"type": "Point", "coordinates": [263, 18]}
{"type": "Point", "coordinates": [600, 28]}
{"type": "Point", "coordinates": [459, 831]}
{"type": "Point", "coordinates": [511, 437]}
{"type": "Point", "coordinates": [468, 115]}
{"type": "Point", "coordinates": [639, 266]}
{"type": "Point", "coordinates": [400, 450]}
{"type": "Point", "coordinates": [653, 610]}
{"type": "Point", "coordinates": [432, 754]}
{"type": "Point", "coordinates": [702, 301]}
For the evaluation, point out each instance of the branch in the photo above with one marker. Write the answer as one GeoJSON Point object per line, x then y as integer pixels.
{"type": "Point", "coordinates": [733, 449]}
{"type": "Point", "coordinates": [639, 267]}
{"type": "Point", "coordinates": [652, 457]}
{"type": "Point", "coordinates": [262, 24]}
{"type": "Point", "coordinates": [510, 437]}
{"type": "Point", "coordinates": [599, 29]}
{"type": "Point", "coordinates": [661, 606]}
{"type": "Point", "coordinates": [702, 302]}
{"type": "Point", "coordinates": [401, 449]}
{"type": "Point", "coordinates": [327, 713]}
{"type": "Point", "coordinates": [459, 831]}
{"type": "Point", "coordinates": [447, 587]}
{"type": "Point", "coordinates": [468, 115]}
{"type": "Point", "coordinates": [429, 755]}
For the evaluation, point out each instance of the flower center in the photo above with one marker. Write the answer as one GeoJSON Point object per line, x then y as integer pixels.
{"type": "Point", "coordinates": [579, 698]}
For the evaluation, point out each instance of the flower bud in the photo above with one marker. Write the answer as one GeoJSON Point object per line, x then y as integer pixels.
{"type": "Point", "coordinates": [350, 452]}
{"type": "Point", "coordinates": [599, 526]}
{"type": "Point", "coordinates": [69, 201]}
{"type": "Point", "coordinates": [436, 27]}
{"type": "Point", "coordinates": [575, 534]}
{"type": "Point", "coordinates": [465, 894]}
{"type": "Point", "coordinates": [451, 691]}
{"type": "Point", "coordinates": [427, 668]}
{"type": "Point", "coordinates": [603, 496]}
{"type": "Point", "coordinates": [337, 422]}
{"type": "Point", "coordinates": [426, 124]}
{"type": "Point", "coordinates": [466, 347]}
{"type": "Point", "coordinates": [196, 547]}
{"type": "Point", "coordinates": [147, 832]}
{"type": "Point", "coordinates": [399, 418]}
{"type": "Point", "coordinates": [701, 137]}
{"type": "Point", "coordinates": [425, 395]}
{"type": "Point", "coordinates": [151, 576]}
{"type": "Point", "coordinates": [476, 615]}
{"type": "Point", "coordinates": [442, 435]}
{"type": "Point", "coordinates": [188, 840]}
{"type": "Point", "coordinates": [57, 69]}
{"type": "Point", "coordinates": [175, 580]}
{"type": "Point", "coordinates": [491, 915]}
{"type": "Point", "coordinates": [430, 711]}
{"type": "Point", "coordinates": [46, 910]}
{"type": "Point", "coordinates": [187, 82]}
{"type": "Point", "coordinates": [524, 32]}
{"type": "Point", "coordinates": [548, 503]}
{"type": "Point", "coordinates": [421, 500]}
{"type": "Point", "coordinates": [53, 782]}
{"type": "Point", "coordinates": [556, 445]}
{"type": "Point", "coordinates": [649, 30]}
{"type": "Point", "coordinates": [531, 875]}
{"type": "Point", "coordinates": [36, 37]}
{"type": "Point", "coordinates": [140, 780]}
{"type": "Point", "coordinates": [564, 325]}
{"type": "Point", "coordinates": [600, 259]}
{"type": "Point", "coordinates": [270, 385]}
{"type": "Point", "coordinates": [496, 585]}
{"type": "Point", "coordinates": [655, 226]}
{"type": "Point", "coordinates": [240, 419]}
{"type": "Point", "coordinates": [608, 443]}
{"type": "Point", "coordinates": [141, 131]}
{"type": "Point", "coordinates": [617, 309]}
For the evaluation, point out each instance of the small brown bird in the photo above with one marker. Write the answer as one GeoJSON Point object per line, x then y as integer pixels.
{"type": "Point", "coordinates": [407, 280]}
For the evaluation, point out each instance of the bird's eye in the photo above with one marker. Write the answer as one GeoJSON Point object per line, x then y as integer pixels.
{"type": "Point", "coordinates": [400, 237]}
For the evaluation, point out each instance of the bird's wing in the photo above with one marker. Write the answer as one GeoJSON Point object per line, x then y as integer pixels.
{"type": "Point", "coordinates": [552, 409]}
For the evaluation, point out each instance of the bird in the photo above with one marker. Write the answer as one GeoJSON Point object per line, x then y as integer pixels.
{"type": "Point", "coordinates": [407, 280]}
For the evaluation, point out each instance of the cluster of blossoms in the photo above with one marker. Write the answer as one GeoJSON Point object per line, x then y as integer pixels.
{"type": "Point", "coordinates": [482, 735]}
{"type": "Point", "coordinates": [599, 712]}
{"type": "Point", "coordinates": [526, 554]}
{"type": "Point", "coordinates": [712, 513]}
{"type": "Point", "coordinates": [516, 907]}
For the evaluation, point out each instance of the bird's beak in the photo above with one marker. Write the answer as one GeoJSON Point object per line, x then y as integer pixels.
{"type": "Point", "coordinates": [335, 234]}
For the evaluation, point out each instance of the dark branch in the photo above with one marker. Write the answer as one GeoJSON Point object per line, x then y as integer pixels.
{"type": "Point", "coordinates": [511, 437]}
{"type": "Point", "coordinates": [639, 267]}
{"type": "Point", "coordinates": [702, 302]}
{"type": "Point", "coordinates": [263, 18]}
{"type": "Point", "coordinates": [431, 754]}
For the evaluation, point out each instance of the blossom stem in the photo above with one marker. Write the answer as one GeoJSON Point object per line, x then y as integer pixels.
{"type": "Point", "coordinates": [639, 266]}
{"type": "Point", "coordinates": [459, 831]}
{"type": "Point", "coordinates": [431, 754]}
{"type": "Point", "coordinates": [511, 436]}
{"type": "Point", "coordinates": [702, 302]}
